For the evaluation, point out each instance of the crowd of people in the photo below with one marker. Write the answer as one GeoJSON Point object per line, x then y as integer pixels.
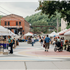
{"type": "Point", "coordinates": [42, 40]}
{"type": "Point", "coordinates": [45, 41]}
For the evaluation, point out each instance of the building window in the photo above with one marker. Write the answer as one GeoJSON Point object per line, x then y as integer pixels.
{"type": "Point", "coordinates": [19, 23]}
{"type": "Point", "coordinates": [5, 23]}
{"type": "Point", "coordinates": [8, 23]}
{"type": "Point", "coordinates": [16, 23]}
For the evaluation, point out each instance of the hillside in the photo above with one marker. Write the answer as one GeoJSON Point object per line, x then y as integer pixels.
{"type": "Point", "coordinates": [38, 19]}
{"type": "Point", "coordinates": [0, 19]}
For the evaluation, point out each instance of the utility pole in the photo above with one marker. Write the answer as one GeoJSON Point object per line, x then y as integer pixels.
{"type": "Point", "coordinates": [57, 24]}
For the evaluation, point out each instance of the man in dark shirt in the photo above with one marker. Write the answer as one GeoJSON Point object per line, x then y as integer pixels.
{"type": "Point", "coordinates": [46, 41]}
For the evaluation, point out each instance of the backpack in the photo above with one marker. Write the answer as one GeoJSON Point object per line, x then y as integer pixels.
{"type": "Point", "coordinates": [13, 41]}
{"type": "Point", "coordinates": [41, 40]}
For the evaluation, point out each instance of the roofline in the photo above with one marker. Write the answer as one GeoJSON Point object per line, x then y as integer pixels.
{"type": "Point", "coordinates": [12, 14]}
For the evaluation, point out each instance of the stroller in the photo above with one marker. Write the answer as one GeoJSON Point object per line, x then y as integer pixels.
{"type": "Point", "coordinates": [58, 47]}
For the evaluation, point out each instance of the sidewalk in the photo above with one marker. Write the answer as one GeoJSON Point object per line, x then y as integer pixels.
{"type": "Point", "coordinates": [35, 65]}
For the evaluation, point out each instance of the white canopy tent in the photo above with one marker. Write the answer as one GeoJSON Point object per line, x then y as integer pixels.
{"type": "Point", "coordinates": [52, 34]}
{"type": "Point", "coordinates": [57, 34]}
{"type": "Point", "coordinates": [28, 34]}
{"type": "Point", "coordinates": [11, 33]}
{"type": "Point", "coordinates": [67, 33]}
{"type": "Point", "coordinates": [3, 30]}
{"type": "Point", "coordinates": [6, 32]}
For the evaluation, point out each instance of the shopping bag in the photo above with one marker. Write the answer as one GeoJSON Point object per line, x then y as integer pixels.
{"type": "Point", "coordinates": [5, 52]}
{"type": "Point", "coordinates": [9, 48]}
{"type": "Point", "coordinates": [44, 45]}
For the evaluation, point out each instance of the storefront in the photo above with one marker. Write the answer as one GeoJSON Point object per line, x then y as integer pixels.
{"type": "Point", "coordinates": [16, 29]}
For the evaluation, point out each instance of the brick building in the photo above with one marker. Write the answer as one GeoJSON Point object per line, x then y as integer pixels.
{"type": "Point", "coordinates": [15, 23]}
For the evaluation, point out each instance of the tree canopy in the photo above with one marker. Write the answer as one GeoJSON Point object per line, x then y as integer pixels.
{"type": "Point", "coordinates": [51, 7]}
{"type": "Point", "coordinates": [43, 20]}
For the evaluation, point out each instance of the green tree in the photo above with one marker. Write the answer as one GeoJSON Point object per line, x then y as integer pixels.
{"type": "Point", "coordinates": [68, 27]}
{"type": "Point", "coordinates": [0, 19]}
{"type": "Point", "coordinates": [43, 20]}
{"type": "Point", "coordinates": [51, 7]}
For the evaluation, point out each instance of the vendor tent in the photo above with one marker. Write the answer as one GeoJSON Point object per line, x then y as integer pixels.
{"type": "Point", "coordinates": [3, 30]}
{"type": "Point", "coordinates": [11, 33]}
{"type": "Point", "coordinates": [67, 33]}
{"type": "Point", "coordinates": [57, 34]}
{"type": "Point", "coordinates": [31, 32]}
{"type": "Point", "coordinates": [52, 34]}
{"type": "Point", "coordinates": [6, 32]}
{"type": "Point", "coordinates": [62, 33]}
{"type": "Point", "coordinates": [28, 34]}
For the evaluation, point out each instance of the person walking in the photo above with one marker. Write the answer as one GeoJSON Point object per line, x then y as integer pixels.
{"type": "Point", "coordinates": [32, 39]}
{"type": "Point", "coordinates": [10, 44]}
{"type": "Point", "coordinates": [41, 41]}
{"type": "Point", "coordinates": [62, 42]}
{"type": "Point", "coordinates": [14, 43]}
{"type": "Point", "coordinates": [58, 39]}
{"type": "Point", "coordinates": [46, 41]}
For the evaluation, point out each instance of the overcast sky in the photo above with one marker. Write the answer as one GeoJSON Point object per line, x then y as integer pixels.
{"type": "Point", "coordinates": [22, 8]}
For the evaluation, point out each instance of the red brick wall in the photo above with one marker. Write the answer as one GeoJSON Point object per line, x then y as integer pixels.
{"type": "Point", "coordinates": [13, 19]}
{"type": "Point", "coordinates": [27, 27]}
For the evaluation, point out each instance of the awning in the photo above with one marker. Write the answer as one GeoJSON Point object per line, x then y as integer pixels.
{"type": "Point", "coordinates": [13, 27]}
{"type": "Point", "coordinates": [64, 32]}
{"type": "Point", "coordinates": [67, 33]}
